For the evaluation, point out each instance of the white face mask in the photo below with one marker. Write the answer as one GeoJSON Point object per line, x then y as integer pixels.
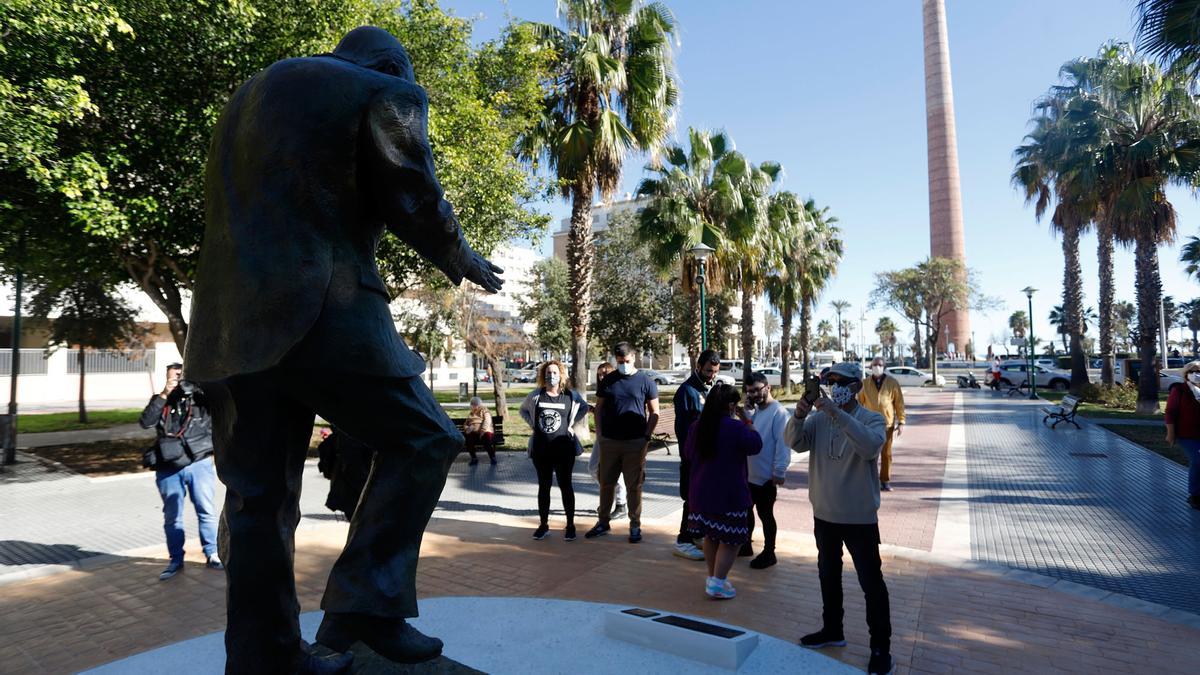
{"type": "Point", "coordinates": [877, 371]}
{"type": "Point", "coordinates": [553, 379]}
{"type": "Point", "coordinates": [626, 368]}
{"type": "Point", "coordinates": [840, 394]}
{"type": "Point", "coordinates": [1194, 377]}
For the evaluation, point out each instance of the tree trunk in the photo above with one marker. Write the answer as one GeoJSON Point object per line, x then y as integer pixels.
{"type": "Point", "coordinates": [1195, 344]}
{"type": "Point", "coordinates": [930, 344]}
{"type": "Point", "coordinates": [785, 351]}
{"type": "Point", "coordinates": [1073, 306]}
{"type": "Point", "coordinates": [917, 352]}
{"type": "Point", "coordinates": [747, 331]}
{"type": "Point", "coordinates": [1104, 254]}
{"type": "Point", "coordinates": [163, 291]}
{"type": "Point", "coordinates": [82, 405]}
{"type": "Point", "coordinates": [580, 255]}
{"type": "Point", "coordinates": [805, 321]}
{"type": "Point", "coordinates": [497, 369]}
{"type": "Point", "coordinates": [1149, 291]}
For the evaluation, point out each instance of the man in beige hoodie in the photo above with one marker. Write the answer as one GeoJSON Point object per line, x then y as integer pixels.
{"type": "Point", "coordinates": [843, 440]}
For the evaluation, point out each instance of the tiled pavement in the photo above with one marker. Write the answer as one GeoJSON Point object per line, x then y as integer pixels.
{"type": "Point", "coordinates": [944, 620]}
{"type": "Point", "coordinates": [1033, 506]}
{"type": "Point", "coordinates": [1082, 505]}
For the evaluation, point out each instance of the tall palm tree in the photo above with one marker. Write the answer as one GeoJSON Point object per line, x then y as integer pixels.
{"type": "Point", "coordinates": [1170, 30]}
{"type": "Point", "coordinates": [840, 306]}
{"type": "Point", "coordinates": [1190, 319]}
{"type": "Point", "coordinates": [698, 196]}
{"type": "Point", "coordinates": [1018, 323]}
{"type": "Point", "coordinates": [823, 253]}
{"type": "Point", "coordinates": [783, 284]}
{"type": "Point", "coordinates": [758, 245]}
{"type": "Point", "coordinates": [1145, 127]}
{"type": "Point", "coordinates": [886, 329]}
{"type": "Point", "coordinates": [1189, 255]}
{"type": "Point", "coordinates": [1050, 169]}
{"type": "Point", "coordinates": [614, 91]}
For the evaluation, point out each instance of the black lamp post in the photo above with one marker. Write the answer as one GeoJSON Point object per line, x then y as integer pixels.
{"type": "Point", "coordinates": [1029, 291]}
{"type": "Point", "coordinates": [701, 253]}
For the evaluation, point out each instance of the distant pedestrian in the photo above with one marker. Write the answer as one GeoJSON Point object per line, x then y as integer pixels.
{"type": "Point", "coordinates": [554, 411]}
{"type": "Point", "coordinates": [995, 381]}
{"type": "Point", "coordinates": [183, 465]}
{"type": "Point", "coordinates": [619, 510]}
{"type": "Point", "coordinates": [1183, 425]}
{"type": "Point", "coordinates": [843, 440]}
{"type": "Point", "coordinates": [688, 402]}
{"type": "Point", "coordinates": [478, 429]}
{"type": "Point", "coordinates": [626, 415]}
{"type": "Point", "coordinates": [768, 469]}
{"type": "Point", "coordinates": [719, 494]}
{"type": "Point", "coordinates": [881, 393]}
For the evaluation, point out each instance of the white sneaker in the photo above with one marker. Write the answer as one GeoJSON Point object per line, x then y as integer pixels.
{"type": "Point", "coordinates": [719, 589]}
{"type": "Point", "coordinates": [687, 550]}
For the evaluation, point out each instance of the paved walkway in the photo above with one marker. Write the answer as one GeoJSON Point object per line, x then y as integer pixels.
{"type": "Point", "coordinates": [1078, 552]}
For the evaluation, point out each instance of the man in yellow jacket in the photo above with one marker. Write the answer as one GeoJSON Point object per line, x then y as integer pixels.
{"type": "Point", "coordinates": [881, 393]}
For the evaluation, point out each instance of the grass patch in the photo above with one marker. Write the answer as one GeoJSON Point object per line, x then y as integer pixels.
{"type": "Point", "coordinates": [69, 421]}
{"type": "Point", "coordinates": [1150, 438]}
{"type": "Point", "coordinates": [1097, 411]}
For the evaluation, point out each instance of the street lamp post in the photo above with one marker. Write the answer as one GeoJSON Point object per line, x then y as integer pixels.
{"type": "Point", "coordinates": [1029, 291]}
{"type": "Point", "coordinates": [701, 252]}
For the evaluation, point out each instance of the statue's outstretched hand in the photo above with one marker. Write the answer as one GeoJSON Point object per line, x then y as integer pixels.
{"type": "Point", "coordinates": [483, 273]}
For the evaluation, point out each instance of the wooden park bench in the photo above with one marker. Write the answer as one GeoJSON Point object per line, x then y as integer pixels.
{"type": "Point", "coordinates": [1063, 412]}
{"type": "Point", "coordinates": [497, 429]}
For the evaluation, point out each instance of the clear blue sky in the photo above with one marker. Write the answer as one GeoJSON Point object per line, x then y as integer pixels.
{"type": "Point", "coordinates": [834, 91]}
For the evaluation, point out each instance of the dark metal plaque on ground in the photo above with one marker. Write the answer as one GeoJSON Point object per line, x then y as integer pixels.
{"type": "Point", "coordinates": [700, 626]}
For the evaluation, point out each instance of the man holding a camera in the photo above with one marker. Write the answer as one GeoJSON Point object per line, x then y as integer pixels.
{"type": "Point", "coordinates": [843, 440]}
{"type": "Point", "coordinates": [183, 465]}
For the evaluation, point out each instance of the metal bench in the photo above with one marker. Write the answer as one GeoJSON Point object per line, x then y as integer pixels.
{"type": "Point", "coordinates": [497, 429]}
{"type": "Point", "coordinates": [1063, 412]}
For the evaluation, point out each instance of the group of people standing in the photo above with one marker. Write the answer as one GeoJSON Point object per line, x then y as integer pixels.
{"type": "Point", "coordinates": [734, 458]}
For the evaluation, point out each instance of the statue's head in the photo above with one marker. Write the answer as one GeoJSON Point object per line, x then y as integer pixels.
{"type": "Point", "coordinates": [375, 48]}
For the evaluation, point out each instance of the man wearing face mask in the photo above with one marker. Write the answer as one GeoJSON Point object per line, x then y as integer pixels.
{"type": "Point", "coordinates": [626, 414]}
{"type": "Point", "coordinates": [689, 401]}
{"type": "Point", "coordinates": [882, 394]}
{"type": "Point", "coordinates": [843, 440]}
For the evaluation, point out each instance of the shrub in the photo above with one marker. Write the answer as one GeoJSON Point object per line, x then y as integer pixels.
{"type": "Point", "coordinates": [1117, 396]}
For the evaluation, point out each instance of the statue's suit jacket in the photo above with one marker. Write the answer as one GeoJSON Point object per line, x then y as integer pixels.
{"type": "Point", "coordinates": [310, 160]}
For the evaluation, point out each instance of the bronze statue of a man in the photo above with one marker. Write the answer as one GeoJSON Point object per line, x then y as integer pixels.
{"type": "Point", "coordinates": [310, 160]}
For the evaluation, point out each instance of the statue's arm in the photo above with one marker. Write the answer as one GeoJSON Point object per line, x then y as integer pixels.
{"type": "Point", "coordinates": [399, 175]}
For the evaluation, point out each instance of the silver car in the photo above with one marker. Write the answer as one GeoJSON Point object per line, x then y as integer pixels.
{"type": "Point", "coordinates": [1013, 374]}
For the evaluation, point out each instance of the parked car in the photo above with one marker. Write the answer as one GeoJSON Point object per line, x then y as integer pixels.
{"type": "Point", "coordinates": [911, 377]}
{"type": "Point", "coordinates": [526, 373]}
{"type": "Point", "coordinates": [775, 375]}
{"type": "Point", "coordinates": [734, 367]}
{"type": "Point", "coordinates": [662, 378]}
{"type": "Point", "coordinates": [1012, 373]}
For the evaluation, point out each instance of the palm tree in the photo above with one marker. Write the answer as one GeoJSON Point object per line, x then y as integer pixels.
{"type": "Point", "coordinates": [1189, 254]}
{"type": "Point", "coordinates": [698, 196]}
{"type": "Point", "coordinates": [1123, 315]}
{"type": "Point", "coordinates": [1049, 170]}
{"type": "Point", "coordinates": [886, 329]}
{"type": "Point", "coordinates": [1018, 323]}
{"type": "Point", "coordinates": [825, 334]}
{"type": "Point", "coordinates": [839, 306]}
{"type": "Point", "coordinates": [783, 285]}
{"type": "Point", "coordinates": [1170, 30]}
{"type": "Point", "coordinates": [758, 245]}
{"type": "Point", "coordinates": [614, 91]}
{"type": "Point", "coordinates": [1145, 127]}
{"type": "Point", "coordinates": [1190, 319]}
{"type": "Point", "coordinates": [822, 254]}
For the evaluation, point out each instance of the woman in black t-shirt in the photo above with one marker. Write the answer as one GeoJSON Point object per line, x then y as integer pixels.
{"type": "Point", "coordinates": [553, 412]}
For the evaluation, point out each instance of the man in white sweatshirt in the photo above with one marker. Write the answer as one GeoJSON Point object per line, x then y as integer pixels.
{"type": "Point", "coordinates": [843, 440]}
{"type": "Point", "coordinates": [767, 469]}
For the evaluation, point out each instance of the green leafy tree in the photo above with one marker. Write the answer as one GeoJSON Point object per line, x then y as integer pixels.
{"type": "Point", "coordinates": [631, 298]}
{"type": "Point", "coordinates": [141, 83]}
{"type": "Point", "coordinates": [612, 91]}
{"type": "Point", "coordinates": [548, 305]}
{"type": "Point", "coordinates": [886, 329]}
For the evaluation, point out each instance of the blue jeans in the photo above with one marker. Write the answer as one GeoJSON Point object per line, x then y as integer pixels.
{"type": "Point", "coordinates": [199, 479]}
{"type": "Point", "coordinates": [1192, 448]}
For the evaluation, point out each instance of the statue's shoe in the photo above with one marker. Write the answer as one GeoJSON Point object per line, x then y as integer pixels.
{"type": "Point", "coordinates": [393, 639]}
{"type": "Point", "coordinates": [307, 663]}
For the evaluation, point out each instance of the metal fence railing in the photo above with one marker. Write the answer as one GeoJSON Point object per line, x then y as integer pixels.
{"type": "Point", "coordinates": [33, 362]}
{"type": "Point", "coordinates": [111, 361]}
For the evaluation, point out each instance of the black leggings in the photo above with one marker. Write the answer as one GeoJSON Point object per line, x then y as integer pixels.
{"type": "Point", "coordinates": [548, 461]}
{"type": "Point", "coordinates": [764, 502]}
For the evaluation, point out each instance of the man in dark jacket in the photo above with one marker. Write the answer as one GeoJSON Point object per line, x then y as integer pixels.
{"type": "Point", "coordinates": [311, 159]}
{"type": "Point", "coordinates": [183, 465]}
{"type": "Point", "coordinates": [689, 401]}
